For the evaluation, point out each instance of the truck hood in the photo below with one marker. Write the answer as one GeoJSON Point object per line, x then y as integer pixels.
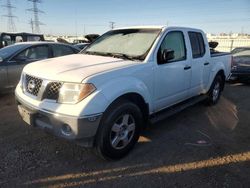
{"type": "Point", "coordinates": [74, 68]}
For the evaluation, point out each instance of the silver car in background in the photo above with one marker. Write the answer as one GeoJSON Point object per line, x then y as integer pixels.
{"type": "Point", "coordinates": [14, 57]}
{"type": "Point", "coordinates": [241, 64]}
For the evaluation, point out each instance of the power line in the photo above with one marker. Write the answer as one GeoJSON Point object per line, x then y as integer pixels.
{"type": "Point", "coordinates": [11, 27]}
{"type": "Point", "coordinates": [35, 24]}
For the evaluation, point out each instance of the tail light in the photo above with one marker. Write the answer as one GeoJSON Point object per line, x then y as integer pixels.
{"type": "Point", "coordinates": [232, 61]}
{"type": "Point", "coordinates": [233, 64]}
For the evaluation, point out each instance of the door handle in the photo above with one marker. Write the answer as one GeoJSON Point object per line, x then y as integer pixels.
{"type": "Point", "coordinates": [206, 63]}
{"type": "Point", "coordinates": [187, 67]}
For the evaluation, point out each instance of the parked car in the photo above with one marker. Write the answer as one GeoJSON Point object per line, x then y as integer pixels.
{"type": "Point", "coordinates": [241, 64]}
{"type": "Point", "coordinates": [7, 39]}
{"type": "Point", "coordinates": [103, 96]}
{"type": "Point", "coordinates": [81, 45]}
{"type": "Point", "coordinates": [14, 57]}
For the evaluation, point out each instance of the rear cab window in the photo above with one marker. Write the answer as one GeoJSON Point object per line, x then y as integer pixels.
{"type": "Point", "coordinates": [197, 44]}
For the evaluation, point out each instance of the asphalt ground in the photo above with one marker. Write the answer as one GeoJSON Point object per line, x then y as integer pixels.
{"type": "Point", "coordinates": [202, 146]}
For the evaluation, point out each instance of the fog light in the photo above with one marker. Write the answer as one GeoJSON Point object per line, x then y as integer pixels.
{"type": "Point", "coordinates": [66, 129]}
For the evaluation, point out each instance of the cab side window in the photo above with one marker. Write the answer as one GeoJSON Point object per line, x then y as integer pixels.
{"type": "Point", "coordinates": [34, 53]}
{"type": "Point", "coordinates": [197, 44]}
{"type": "Point", "coordinates": [61, 50]}
{"type": "Point", "coordinates": [174, 41]}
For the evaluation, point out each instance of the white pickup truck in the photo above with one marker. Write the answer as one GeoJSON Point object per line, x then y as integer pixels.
{"type": "Point", "coordinates": [103, 96]}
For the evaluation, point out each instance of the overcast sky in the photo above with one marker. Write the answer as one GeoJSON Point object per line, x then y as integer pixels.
{"type": "Point", "coordinates": [93, 16]}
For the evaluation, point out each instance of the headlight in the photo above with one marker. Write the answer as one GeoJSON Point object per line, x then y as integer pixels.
{"type": "Point", "coordinates": [22, 81]}
{"type": "Point", "coordinates": [73, 93]}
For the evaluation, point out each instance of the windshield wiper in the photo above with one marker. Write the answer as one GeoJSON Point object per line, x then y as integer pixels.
{"type": "Point", "coordinates": [116, 55]}
{"type": "Point", "coordinates": [93, 53]}
{"type": "Point", "coordinates": [124, 56]}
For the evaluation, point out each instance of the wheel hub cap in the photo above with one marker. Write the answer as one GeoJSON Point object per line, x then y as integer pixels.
{"type": "Point", "coordinates": [216, 91]}
{"type": "Point", "coordinates": [122, 131]}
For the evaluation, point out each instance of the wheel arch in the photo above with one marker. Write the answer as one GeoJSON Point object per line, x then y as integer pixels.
{"type": "Point", "coordinates": [220, 71]}
{"type": "Point", "coordinates": [222, 74]}
{"type": "Point", "coordinates": [137, 99]}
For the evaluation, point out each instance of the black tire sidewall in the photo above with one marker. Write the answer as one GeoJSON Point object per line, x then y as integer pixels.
{"type": "Point", "coordinates": [103, 144]}
{"type": "Point", "coordinates": [218, 79]}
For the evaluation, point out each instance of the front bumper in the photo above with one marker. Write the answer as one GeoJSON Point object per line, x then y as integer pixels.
{"type": "Point", "coordinates": [79, 129]}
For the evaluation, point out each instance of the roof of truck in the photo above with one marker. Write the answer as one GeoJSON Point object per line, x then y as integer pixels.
{"type": "Point", "coordinates": [163, 27]}
{"type": "Point", "coordinates": [142, 27]}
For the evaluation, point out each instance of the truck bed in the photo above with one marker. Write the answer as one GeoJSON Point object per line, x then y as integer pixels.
{"type": "Point", "coordinates": [216, 53]}
{"type": "Point", "coordinates": [223, 57]}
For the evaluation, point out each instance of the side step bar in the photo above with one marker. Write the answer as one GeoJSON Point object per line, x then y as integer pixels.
{"type": "Point", "coordinates": [163, 114]}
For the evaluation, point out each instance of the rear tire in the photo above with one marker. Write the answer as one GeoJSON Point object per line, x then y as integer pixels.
{"type": "Point", "coordinates": [215, 90]}
{"type": "Point", "coordinates": [119, 130]}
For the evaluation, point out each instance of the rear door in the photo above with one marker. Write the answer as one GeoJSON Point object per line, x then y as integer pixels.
{"type": "Point", "coordinates": [201, 67]}
{"type": "Point", "coordinates": [29, 55]}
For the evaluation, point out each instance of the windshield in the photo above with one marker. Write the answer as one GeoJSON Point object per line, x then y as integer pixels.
{"type": "Point", "coordinates": [125, 43]}
{"type": "Point", "coordinates": [9, 50]}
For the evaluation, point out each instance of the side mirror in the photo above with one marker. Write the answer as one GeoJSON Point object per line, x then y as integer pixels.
{"type": "Point", "coordinates": [168, 54]}
{"type": "Point", "coordinates": [165, 56]}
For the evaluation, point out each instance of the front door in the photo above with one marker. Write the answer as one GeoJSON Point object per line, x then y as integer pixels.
{"type": "Point", "coordinates": [172, 78]}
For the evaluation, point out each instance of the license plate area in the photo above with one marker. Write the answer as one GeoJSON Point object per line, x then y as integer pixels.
{"type": "Point", "coordinates": [26, 114]}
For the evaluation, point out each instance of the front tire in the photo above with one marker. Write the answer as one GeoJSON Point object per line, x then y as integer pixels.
{"type": "Point", "coordinates": [215, 90]}
{"type": "Point", "coordinates": [119, 130]}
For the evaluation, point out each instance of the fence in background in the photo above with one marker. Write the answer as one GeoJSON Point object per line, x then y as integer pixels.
{"type": "Point", "coordinates": [227, 45]}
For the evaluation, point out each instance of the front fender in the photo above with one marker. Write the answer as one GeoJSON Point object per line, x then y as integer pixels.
{"type": "Point", "coordinates": [123, 85]}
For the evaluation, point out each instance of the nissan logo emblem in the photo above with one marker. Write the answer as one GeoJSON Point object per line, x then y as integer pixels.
{"type": "Point", "coordinates": [31, 86]}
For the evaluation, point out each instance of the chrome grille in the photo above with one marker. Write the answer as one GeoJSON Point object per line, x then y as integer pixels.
{"type": "Point", "coordinates": [52, 91]}
{"type": "Point", "coordinates": [32, 84]}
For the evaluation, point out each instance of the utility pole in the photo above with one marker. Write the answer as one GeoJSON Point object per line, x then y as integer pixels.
{"type": "Point", "coordinates": [112, 25]}
{"type": "Point", "coordinates": [36, 11]}
{"type": "Point", "coordinates": [242, 30]}
{"type": "Point", "coordinates": [76, 28]}
{"type": "Point", "coordinates": [10, 24]}
{"type": "Point", "coordinates": [32, 25]}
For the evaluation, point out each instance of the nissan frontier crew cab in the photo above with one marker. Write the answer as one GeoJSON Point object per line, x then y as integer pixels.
{"type": "Point", "coordinates": [103, 96]}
